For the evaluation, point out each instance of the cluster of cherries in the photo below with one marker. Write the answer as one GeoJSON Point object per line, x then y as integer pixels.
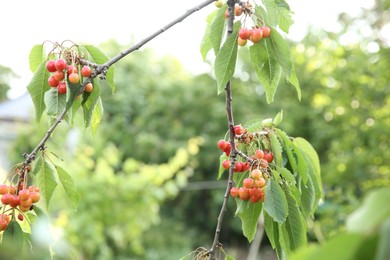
{"type": "Point", "coordinates": [254, 35]}
{"type": "Point", "coordinates": [61, 69]}
{"type": "Point", "coordinates": [253, 186]}
{"type": "Point", "coordinates": [22, 200]}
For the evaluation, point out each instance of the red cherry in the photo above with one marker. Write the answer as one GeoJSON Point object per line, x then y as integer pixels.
{"type": "Point", "coordinates": [71, 69]}
{"type": "Point", "coordinates": [248, 183]}
{"type": "Point", "coordinates": [256, 174]}
{"type": "Point", "coordinates": [3, 224]}
{"type": "Point", "coordinates": [241, 42]}
{"type": "Point", "coordinates": [35, 196]}
{"type": "Point", "coordinates": [74, 78]}
{"type": "Point", "coordinates": [24, 195]}
{"type": "Point", "coordinates": [245, 166]}
{"type": "Point", "coordinates": [88, 87]}
{"type": "Point", "coordinates": [4, 189]}
{"type": "Point", "coordinates": [59, 75]}
{"type": "Point", "coordinates": [222, 144]}
{"type": "Point", "coordinates": [6, 199]}
{"type": "Point", "coordinates": [51, 66]}
{"type": "Point", "coordinates": [268, 157]}
{"type": "Point", "coordinates": [26, 203]}
{"type": "Point", "coordinates": [239, 130]}
{"type": "Point", "coordinates": [227, 149]}
{"type": "Point", "coordinates": [234, 192]}
{"type": "Point", "coordinates": [226, 164]}
{"type": "Point", "coordinates": [60, 64]}
{"type": "Point", "coordinates": [62, 88]}
{"type": "Point", "coordinates": [237, 167]}
{"type": "Point", "coordinates": [15, 201]}
{"type": "Point", "coordinates": [243, 193]}
{"type": "Point", "coordinates": [244, 33]}
{"type": "Point", "coordinates": [53, 82]}
{"type": "Point", "coordinates": [259, 154]}
{"type": "Point", "coordinates": [86, 71]}
{"type": "Point", "coordinates": [266, 31]}
{"type": "Point", "coordinates": [260, 183]}
{"type": "Point", "coordinates": [256, 36]}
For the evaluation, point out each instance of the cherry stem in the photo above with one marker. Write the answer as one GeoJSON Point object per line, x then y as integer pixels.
{"type": "Point", "coordinates": [233, 153]}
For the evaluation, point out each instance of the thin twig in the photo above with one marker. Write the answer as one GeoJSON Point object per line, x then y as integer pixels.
{"type": "Point", "coordinates": [233, 153]}
{"type": "Point", "coordinates": [137, 46]}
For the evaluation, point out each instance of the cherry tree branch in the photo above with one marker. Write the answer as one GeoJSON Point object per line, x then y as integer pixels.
{"type": "Point", "coordinates": [102, 70]}
{"type": "Point", "coordinates": [233, 153]}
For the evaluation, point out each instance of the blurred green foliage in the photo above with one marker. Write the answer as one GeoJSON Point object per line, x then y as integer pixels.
{"type": "Point", "coordinates": [6, 74]}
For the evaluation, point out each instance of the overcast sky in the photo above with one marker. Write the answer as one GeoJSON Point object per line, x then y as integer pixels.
{"type": "Point", "coordinates": [26, 23]}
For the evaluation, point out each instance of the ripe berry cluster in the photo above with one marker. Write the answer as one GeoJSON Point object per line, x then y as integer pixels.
{"type": "Point", "coordinates": [254, 35]}
{"type": "Point", "coordinates": [22, 200]}
{"type": "Point", "coordinates": [60, 68]}
{"type": "Point", "coordinates": [256, 165]}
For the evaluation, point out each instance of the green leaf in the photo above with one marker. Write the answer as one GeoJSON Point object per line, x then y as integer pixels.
{"type": "Point", "coordinates": [229, 257]}
{"type": "Point", "coordinates": [221, 170]}
{"type": "Point", "coordinates": [69, 186]}
{"type": "Point", "coordinates": [225, 62]}
{"type": "Point", "coordinates": [303, 168]}
{"type": "Point", "coordinates": [205, 45]}
{"type": "Point", "coordinates": [293, 80]}
{"type": "Point", "coordinates": [271, 7]}
{"type": "Point", "coordinates": [217, 29]}
{"type": "Point", "coordinates": [97, 115]}
{"type": "Point", "coordinates": [36, 57]}
{"type": "Point", "coordinates": [278, 118]}
{"type": "Point", "coordinates": [266, 67]}
{"type": "Point", "coordinates": [253, 125]}
{"type": "Point", "coordinates": [269, 76]}
{"type": "Point", "coordinates": [71, 94]}
{"type": "Point", "coordinates": [55, 102]}
{"type": "Point", "coordinates": [262, 14]}
{"type": "Point", "coordinates": [287, 175]}
{"type": "Point", "coordinates": [46, 178]}
{"type": "Point", "coordinates": [99, 57]}
{"type": "Point", "coordinates": [272, 230]}
{"type": "Point", "coordinates": [275, 203]}
{"type": "Point", "coordinates": [75, 107]}
{"type": "Point", "coordinates": [313, 162]}
{"type": "Point", "coordinates": [373, 212]}
{"type": "Point", "coordinates": [280, 51]}
{"type": "Point", "coordinates": [249, 219]}
{"type": "Point", "coordinates": [383, 250]}
{"type": "Point", "coordinates": [294, 225]}
{"type": "Point", "coordinates": [13, 235]}
{"type": "Point", "coordinates": [37, 88]}
{"type": "Point", "coordinates": [308, 198]}
{"type": "Point", "coordinates": [276, 150]}
{"type": "Point", "coordinates": [342, 246]}
{"type": "Point", "coordinates": [285, 19]}
{"type": "Point", "coordinates": [288, 147]}
{"type": "Point", "coordinates": [89, 103]}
